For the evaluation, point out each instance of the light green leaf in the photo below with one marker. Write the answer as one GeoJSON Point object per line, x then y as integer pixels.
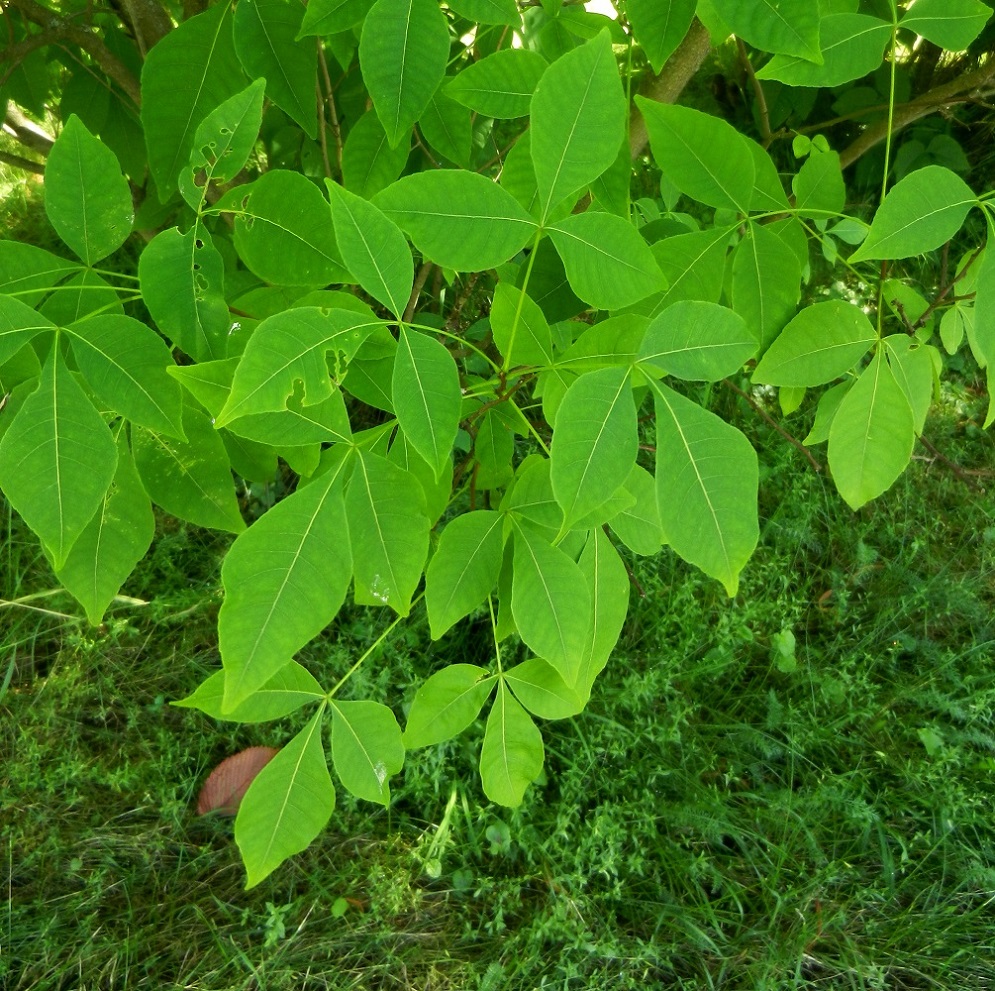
{"type": "Point", "coordinates": [223, 142]}
{"type": "Point", "coordinates": [87, 199]}
{"type": "Point", "coordinates": [30, 273]}
{"type": "Point", "coordinates": [982, 335]}
{"type": "Point", "coordinates": [550, 602]}
{"type": "Point", "coordinates": [323, 17]}
{"type": "Point", "coordinates": [698, 341]}
{"type": "Point", "coordinates": [426, 395]}
{"type": "Point", "coordinates": [57, 459]}
{"type": "Point", "coordinates": [182, 282]}
{"type": "Point", "coordinates": [659, 26]}
{"type": "Point", "coordinates": [366, 748]}
{"type": "Point", "coordinates": [595, 440]}
{"type": "Point", "coordinates": [112, 543]}
{"type": "Point", "coordinates": [266, 45]}
{"type": "Point", "coordinates": [488, 11]}
{"type": "Point", "coordinates": [852, 46]}
{"type": "Point", "coordinates": [19, 323]}
{"type": "Point", "coordinates": [704, 157]}
{"type": "Point", "coordinates": [447, 702]}
{"type": "Point", "coordinates": [464, 568]}
{"type": "Point", "coordinates": [912, 367]}
{"type": "Point", "coordinates": [292, 687]}
{"type": "Point", "coordinates": [191, 480]}
{"type": "Point", "coordinates": [950, 24]}
{"type": "Point", "coordinates": [768, 193]}
{"type": "Point", "coordinates": [285, 579]}
{"type": "Point", "coordinates": [820, 344]}
{"type": "Point", "coordinates": [512, 754]}
{"type": "Point", "coordinates": [531, 497]}
{"type": "Point", "coordinates": [706, 484]}
{"type": "Point", "coordinates": [520, 330]}
{"type": "Point", "coordinates": [829, 403]}
{"type": "Point", "coordinates": [287, 805]}
{"type": "Point", "coordinates": [606, 344]}
{"type": "Point", "coordinates": [500, 85]}
{"type": "Point", "coordinates": [578, 121]}
{"type": "Point", "coordinates": [389, 531]}
{"type": "Point", "coordinates": [373, 248]}
{"type": "Point", "coordinates": [437, 488]}
{"type": "Point", "coordinates": [542, 691]}
{"type": "Point", "coordinates": [81, 295]}
{"type": "Point", "coordinates": [186, 75]}
{"type": "Point", "coordinates": [125, 363]}
{"type": "Point", "coordinates": [282, 231]}
{"type": "Point", "coordinates": [871, 437]}
{"type": "Point", "coordinates": [458, 219]}
{"type": "Point", "coordinates": [818, 187]}
{"type": "Point", "coordinates": [766, 282]}
{"type": "Point", "coordinates": [494, 450]}
{"type": "Point", "coordinates": [369, 164]}
{"type": "Point", "coordinates": [638, 526]}
{"type": "Point", "coordinates": [919, 214]}
{"type": "Point", "coordinates": [608, 264]}
{"type": "Point", "coordinates": [790, 27]}
{"type": "Point", "coordinates": [448, 128]}
{"type": "Point", "coordinates": [403, 52]}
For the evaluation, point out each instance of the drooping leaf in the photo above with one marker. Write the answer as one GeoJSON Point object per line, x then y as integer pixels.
{"type": "Point", "coordinates": [595, 440]}
{"type": "Point", "coordinates": [871, 437]}
{"type": "Point", "coordinates": [542, 691]}
{"type": "Point", "coordinates": [698, 341]}
{"type": "Point", "coordinates": [500, 85]}
{"type": "Point", "coordinates": [285, 579]}
{"type": "Point", "coordinates": [820, 344]}
{"type": "Point", "coordinates": [19, 323]}
{"type": "Point", "coordinates": [512, 753]}
{"type": "Point", "coordinates": [912, 367]}
{"type": "Point", "coordinates": [950, 24]}
{"type": "Point", "coordinates": [369, 163]}
{"type": "Point", "coordinates": [366, 748]}
{"type": "Point", "coordinates": [659, 26]}
{"type": "Point", "coordinates": [447, 702]}
{"type": "Point", "coordinates": [57, 459]}
{"type": "Point", "coordinates": [458, 219]}
{"type": "Point", "coordinates": [267, 46]}
{"type": "Point", "coordinates": [87, 199]}
{"type": "Point", "coordinates": [464, 568]}
{"type": "Point", "coordinates": [608, 264]}
{"type": "Point", "coordinates": [227, 784]}
{"type": "Point", "coordinates": [324, 17]}
{"type": "Point", "coordinates": [403, 52]}
{"type": "Point", "coordinates": [921, 212]}
{"type": "Point", "coordinates": [520, 330]}
{"type": "Point", "coordinates": [766, 282]}
{"type": "Point", "coordinates": [706, 483]}
{"type": "Point", "coordinates": [287, 805]}
{"type": "Point", "coordinates": [818, 187]}
{"type": "Point", "coordinates": [578, 121]}
{"type": "Point", "coordinates": [790, 27]}
{"type": "Point", "coordinates": [292, 687]}
{"type": "Point", "coordinates": [638, 526]}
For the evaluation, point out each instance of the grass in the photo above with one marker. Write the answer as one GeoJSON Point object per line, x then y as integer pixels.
{"type": "Point", "coordinates": [729, 813]}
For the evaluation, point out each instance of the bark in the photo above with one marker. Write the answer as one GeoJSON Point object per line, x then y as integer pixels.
{"type": "Point", "coordinates": [26, 131]}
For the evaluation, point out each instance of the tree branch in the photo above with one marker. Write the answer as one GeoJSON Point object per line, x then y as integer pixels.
{"type": "Point", "coordinates": [22, 163]}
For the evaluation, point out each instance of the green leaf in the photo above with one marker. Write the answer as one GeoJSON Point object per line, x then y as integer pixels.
{"type": "Point", "coordinates": [829, 403]}
{"type": "Point", "coordinates": [706, 484]}
{"type": "Point", "coordinates": [125, 363]}
{"type": "Point", "coordinates": [494, 451]}
{"type": "Point", "coordinates": [57, 459]}
{"type": "Point", "coordinates": [488, 11]}
{"type": "Point", "coordinates": [285, 579]}
{"type": "Point", "coordinates": [595, 441]}
{"type": "Point", "coordinates": [983, 337]}
{"type": "Point", "coordinates": [693, 264]}
{"type": "Point", "coordinates": [191, 480]}
{"type": "Point", "coordinates": [912, 367]}
{"type": "Point", "coordinates": [464, 569]}
{"type": "Point", "coordinates": [766, 282]}
{"type": "Point", "coordinates": [520, 330]}
{"type": "Point", "coordinates": [852, 46]}
{"type": "Point", "coordinates": [608, 264]}
{"type": "Point", "coordinates": [768, 193]}
{"type": "Point", "coordinates": [186, 75]}
{"type": "Point", "coordinates": [512, 754]}
{"type": "Point", "coordinates": [698, 341]}
{"type": "Point", "coordinates": [182, 282]}
{"type": "Point", "coordinates": [578, 121]}
{"type": "Point", "coordinates": [287, 691]}
{"type": "Point", "coordinates": [19, 323]}
{"type": "Point", "coordinates": [323, 17]}
{"type": "Point", "coordinates": [29, 272]}
{"type": "Point", "coordinates": [820, 344]}
{"type": "Point", "coordinates": [659, 26]}
{"type": "Point", "coordinates": [531, 498]}
{"type": "Point", "coordinates": [790, 27]}
{"type": "Point", "coordinates": [704, 157]}
{"type": "Point", "coordinates": [950, 24]}
{"type": "Point", "coordinates": [606, 344]}
{"type": "Point", "coordinates": [437, 488]}
{"type": "Point", "coordinates": [920, 213]}
{"type": "Point", "coordinates": [818, 187]}
{"type": "Point", "coordinates": [373, 248]}
{"type": "Point", "coordinates": [287, 805]}
{"type": "Point", "coordinates": [871, 437]}
{"type": "Point", "coordinates": [223, 142]}
{"type": "Point", "coordinates": [426, 395]}
{"type": "Point", "coordinates": [447, 702]}
{"type": "Point", "coordinates": [638, 526]}
{"type": "Point", "coordinates": [282, 231]}
{"type": "Point", "coordinates": [81, 295]}
{"type": "Point", "coordinates": [266, 45]}
{"type": "Point", "coordinates": [389, 531]}
{"type": "Point", "coordinates": [112, 543]}
{"type": "Point", "coordinates": [87, 199]}
{"type": "Point", "coordinates": [294, 346]}
{"type": "Point", "coordinates": [448, 128]}
{"type": "Point", "coordinates": [542, 691]}
{"type": "Point", "coordinates": [403, 52]}
{"type": "Point", "coordinates": [369, 163]}
{"type": "Point", "coordinates": [366, 748]}
{"type": "Point", "coordinates": [500, 85]}
{"type": "Point", "coordinates": [550, 602]}
{"type": "Point", "coordinates": [458, 219]}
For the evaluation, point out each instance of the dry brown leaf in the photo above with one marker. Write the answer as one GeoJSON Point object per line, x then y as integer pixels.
{"type": "Point", "coordinates": [230, 780]}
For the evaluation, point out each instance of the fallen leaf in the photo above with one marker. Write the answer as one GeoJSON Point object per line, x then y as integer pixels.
{"type": "Point", "coordinates": [230, 780]}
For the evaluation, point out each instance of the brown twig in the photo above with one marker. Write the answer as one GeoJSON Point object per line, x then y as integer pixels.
{"type": "Point", "coordinates": [959, 472]}
{"type": "Point", "coordinates": [333, 113]}
{"type": "Point", "coordinates": [420, 279]}
{"type": "Point", "coordinates": [22, 163]}
{"type": "Point", "coordinates": [758, 92]}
